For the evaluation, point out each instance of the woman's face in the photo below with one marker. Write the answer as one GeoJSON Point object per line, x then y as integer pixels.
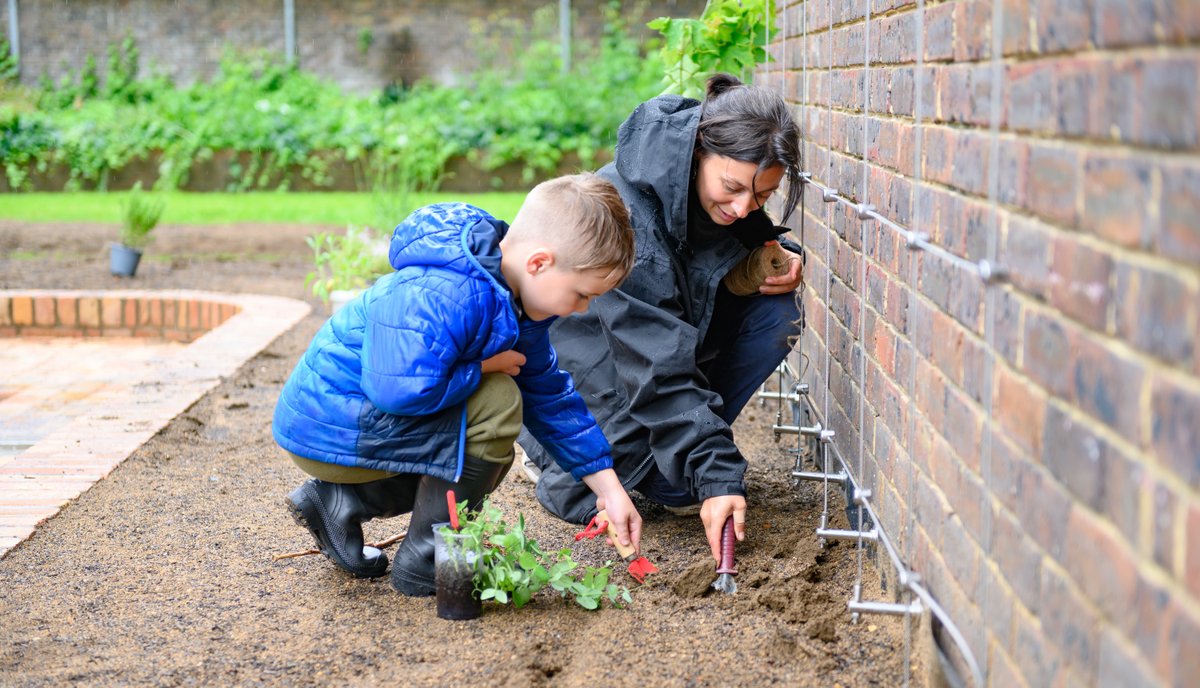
{"type": "Point", "coordinates": [728, 189]}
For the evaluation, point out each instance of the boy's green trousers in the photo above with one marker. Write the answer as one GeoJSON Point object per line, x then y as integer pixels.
{"type": "Point", "coordinates": [493, 423]}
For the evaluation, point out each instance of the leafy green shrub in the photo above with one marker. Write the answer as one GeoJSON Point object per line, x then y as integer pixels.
{"type": "Point", "coordinates": [139, 217]}
{"type": "Point", "coordinates": [513, 567]}
{"type": "Point", "coordinates": [730, 36]}
{"type": "Point", "coordinates": [284, 121]}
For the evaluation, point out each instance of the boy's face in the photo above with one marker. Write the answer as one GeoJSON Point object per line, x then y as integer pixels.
{"type": "Point", "coordinates": [550, 290]}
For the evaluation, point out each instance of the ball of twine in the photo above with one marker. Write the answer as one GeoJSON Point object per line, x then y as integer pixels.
{"type": "Point", "coordinates": [747, 276]}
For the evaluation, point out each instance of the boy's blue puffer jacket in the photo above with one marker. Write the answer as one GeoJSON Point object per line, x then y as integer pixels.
{"type": "Point", "coordinates": [384, 382]}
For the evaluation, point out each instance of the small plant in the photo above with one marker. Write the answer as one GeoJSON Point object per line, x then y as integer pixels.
{"type": "Point", "coordinates": [345, 262]}
{"type": "Point", "coordinates": [513, 567]}
{"type": "Point", "coordinates": [139, 215]}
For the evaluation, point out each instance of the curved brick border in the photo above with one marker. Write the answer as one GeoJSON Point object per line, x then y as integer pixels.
{"type": "Point", "coordinates": [224, 331]}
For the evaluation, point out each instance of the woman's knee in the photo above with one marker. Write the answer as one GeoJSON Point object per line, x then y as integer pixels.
{"type": "Point", "coordinates": [778, 314]}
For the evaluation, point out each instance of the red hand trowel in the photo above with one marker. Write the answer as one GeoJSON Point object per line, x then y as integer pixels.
{"type": "Point", "coordinates": [639, 567]}
{"type": "Point", "coordinates": [725, 570]}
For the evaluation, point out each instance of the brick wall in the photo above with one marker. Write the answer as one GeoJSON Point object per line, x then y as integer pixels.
{"type": "Point", "coordinates": [1033, 446]}
{"type": "Point", "coordinates": [409, 39]}
{"type": "Point", "coordinates": [110, 314]}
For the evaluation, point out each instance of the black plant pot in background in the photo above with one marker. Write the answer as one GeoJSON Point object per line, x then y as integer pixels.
{"type": "Point", "coordinates": [122, 260]}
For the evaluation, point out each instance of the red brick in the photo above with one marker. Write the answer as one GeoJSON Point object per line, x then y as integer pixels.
{"type": "Point", "coordinates": [1040, 494]}
{"type": "Point", "coordinates": [1122, 23]}
{"type": "Point", "coordinates": [1029, 99]}
{"type": "Point", "coordinates": [1112, 587]}
{"type": "Point", "coordinates": [22, 311]}
{"type": "Point", "coordinates": [1168, 103]}
{"type": "Point", "coordinates": [68, 313]}
{"type": "Point", "coordinates": [1120, 666]}
{"type": "Point", "coordinates": [939, 32]}
{"type": "Point", "coordinates": [1048, 351]}
{"type": "Point", "coordinates": [1026, 247]}
{"type": "Point", "coordinates": [1185, 640]}
{"type": "Point", "coordinates": [1013, 185]}
{"type": "Point", "coordinates": [1054, 183]}
{"type": "Point", "coordinates": [1080, 282]}
{"type": "Point", "coordinates": [1117, 201]}
{"type": "Point", "coordinates": [972, 31]}
{"type": "Point", "coordinates": [1036, 658]}
{"type": "Point", "coordinates": [1018, 558]}
{"type": "Point", "coordinates": [1071, 624]}
{"type": "Point", "coordinates": [1016, 27]}
{"type": "Point", "coordinates": [1111, 106]}
{"type": "Point", "coordinates": [5, 311]}
{"type": "Point", "coordinates": [1020, 408]}
{"type": "Point", "coordinates": [1191, 536]}
{"type": "Point", "coordinates": [1165, 519]}
{"type": "Point", "coordinates": [1147, 620]}
{"type": "Point", "coordinates": [194, 320]}
{"type": "Point", "coordinates": [1063, 25]}
{"type": "Point", "coordinates": [1181, 20]}
{"type": "Point", "coordinates": [1180, 238]}
{"type": "Point", "coordinates": [169, 317]}
{"type": "Point", "coordinates": [1123, 491]}
{"type": "Point", "coordinates": [1157, 313]}
{"type": "Point", "coordinates": [89, 312]}
{"type": "Point", "coordinates": [1107, 383]}
{"type": "Point", "coordinates": [1175, 432]}
{"type": "Point", "coordinates": [43, 311]}
{"type": "Point", "coordinates": [110, 312]}
{"type": "Point", "coordinates": [1076, 456]}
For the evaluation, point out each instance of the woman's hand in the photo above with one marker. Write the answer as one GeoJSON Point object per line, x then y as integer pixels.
{"type": "Point", "coordinates": [507, 362]}
{"type": "Point", "coordinates": [787, 282]}
{"type": "Point", "coordinates": [713, 514]}
{"type": "Point", "coordinates": [622, 514]}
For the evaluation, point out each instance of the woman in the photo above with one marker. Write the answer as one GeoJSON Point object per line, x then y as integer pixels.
{"type": "Point", "coordinates": [667, 361]}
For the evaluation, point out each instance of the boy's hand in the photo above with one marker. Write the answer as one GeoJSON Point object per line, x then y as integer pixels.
{"type": "Point", "coordinates": [713, 514]}
{"type": "Point", "coordinates": [611, 497]}
{"type": "Point", "coordinates": [507, 362]}
{"type": "Point", "coordinates": [782, 284]}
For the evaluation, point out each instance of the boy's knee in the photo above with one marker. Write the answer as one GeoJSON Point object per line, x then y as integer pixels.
{"type": "Point", "coordinates": [494, 418]}
{"type": "Point", "coordinates": [497, 399]}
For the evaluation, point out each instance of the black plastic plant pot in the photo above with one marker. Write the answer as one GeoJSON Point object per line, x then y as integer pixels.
{"type": "Point", "coordinates": [122, 260]}
{"type": "Point", "coordinates": [454, 560]}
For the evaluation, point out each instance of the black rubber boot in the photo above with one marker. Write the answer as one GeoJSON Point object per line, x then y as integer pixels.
{"type": "Point", "coordinates": [334, 514]}
{"type": "Point", "coordinates": [412, 571]}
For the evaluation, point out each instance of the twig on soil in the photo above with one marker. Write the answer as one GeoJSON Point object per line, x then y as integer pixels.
{"type": "Point", "coordinates": [382, 544]}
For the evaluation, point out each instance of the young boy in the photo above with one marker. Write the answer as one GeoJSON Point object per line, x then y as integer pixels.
{"type": "Point", "coordinates": [421, 384]}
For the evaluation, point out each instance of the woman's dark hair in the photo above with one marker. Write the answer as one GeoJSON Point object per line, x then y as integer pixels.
{"type": "Point", "coordinates": [752, 125]}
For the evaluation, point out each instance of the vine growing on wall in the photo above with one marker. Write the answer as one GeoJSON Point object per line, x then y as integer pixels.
{"type": "Point", "coordinates": [730, 36]}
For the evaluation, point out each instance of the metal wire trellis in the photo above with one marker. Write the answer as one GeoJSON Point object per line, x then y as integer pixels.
{"type": "Point", "coordinates": [820, 438]}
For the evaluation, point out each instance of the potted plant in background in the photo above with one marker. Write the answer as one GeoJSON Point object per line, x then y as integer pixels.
{"type": "Point", "coordinates": [139, 217]}
{"type": "Point", "coordinates": [345, 264]}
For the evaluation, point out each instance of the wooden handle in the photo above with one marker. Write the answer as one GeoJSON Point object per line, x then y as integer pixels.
{"type": "Point", "coordinates": [626, 551]}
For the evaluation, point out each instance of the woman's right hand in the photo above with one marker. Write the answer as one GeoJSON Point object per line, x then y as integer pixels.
{"type": "Point", "coordinates": [507, 362]}
{"type": "Point", "coordinates": [714, 512]}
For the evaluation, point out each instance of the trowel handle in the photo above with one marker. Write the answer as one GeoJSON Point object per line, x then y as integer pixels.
{"type": "Point", "coordinates": [728, 538]}
{"type": "Point", "coordinates": [626, 551]}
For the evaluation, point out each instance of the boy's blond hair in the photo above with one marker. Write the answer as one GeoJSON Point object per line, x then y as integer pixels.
{"type": "Point", "coordinates": [583, 219]}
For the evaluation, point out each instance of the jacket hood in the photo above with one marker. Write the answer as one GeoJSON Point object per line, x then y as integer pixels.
{"type": "Point", "coordinates": [433, 236]}
{"type": "Point", "coordinates": [656, 143]}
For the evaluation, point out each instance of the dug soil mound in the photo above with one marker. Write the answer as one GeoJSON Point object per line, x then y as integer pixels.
{"type": "Point", "coordinates": [163, 573]}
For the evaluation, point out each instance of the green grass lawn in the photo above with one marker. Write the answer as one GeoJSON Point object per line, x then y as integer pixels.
{"type": "Point", "coordinates": [327, 208]}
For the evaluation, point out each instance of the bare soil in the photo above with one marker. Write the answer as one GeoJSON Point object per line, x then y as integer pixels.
{"type": "Point", "coordinates": [163, 574]}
